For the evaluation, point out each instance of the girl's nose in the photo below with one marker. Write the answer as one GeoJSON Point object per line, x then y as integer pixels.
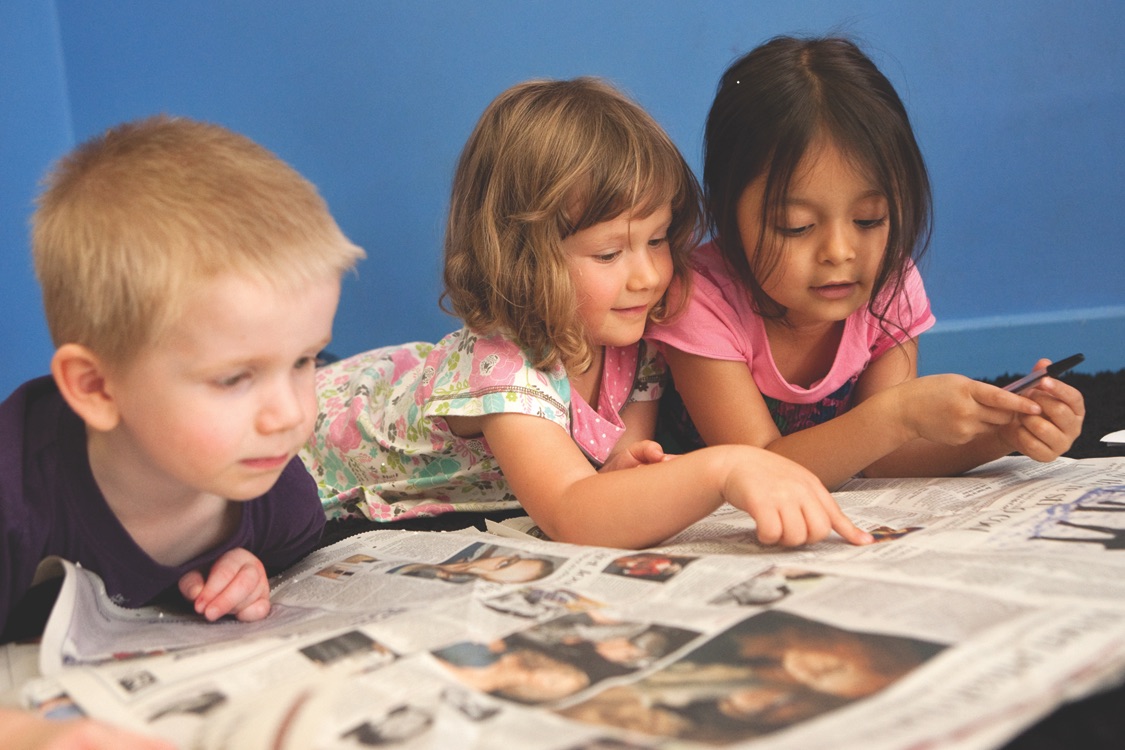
{"type": "Point", "coordinates": [837, 246]}
{"type": "Point", "coordinates": [643, 272]}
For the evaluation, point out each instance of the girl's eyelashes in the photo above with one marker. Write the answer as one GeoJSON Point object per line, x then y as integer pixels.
{"type": "Point", "coordinates": [805, 229]}
{"type": "Point", "coordinates": [871, 223]}
{"type": "Point", "coordinates": [607, 257]}
{"type": "Point", "coordinates": [658, 241]}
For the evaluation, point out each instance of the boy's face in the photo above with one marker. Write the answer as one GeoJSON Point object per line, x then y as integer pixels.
{"type": "Point", "coordinates": [227, 398]}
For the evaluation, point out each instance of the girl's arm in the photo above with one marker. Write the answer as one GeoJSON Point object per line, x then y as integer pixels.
{"type": "Point", "coordinates": [1043, 435]}
{"type": "Point", "coordinates": [727, 408]}
{"type": "Point", "coordinates": [645, 505]}
{"type": "Point", "coordinates": [897, 369]}
{"type": "Point", "coordinates": [901, 425]}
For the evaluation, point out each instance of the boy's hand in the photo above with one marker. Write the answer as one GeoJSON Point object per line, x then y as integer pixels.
{"type": "Point", "coordinates": [788, 503]}
{"type": "Point", "coordinates": [237, 585]}
{"type": "Point", "coordinates": [1046, 436]}
{"type": "Point", "coordinates": [637, 454]}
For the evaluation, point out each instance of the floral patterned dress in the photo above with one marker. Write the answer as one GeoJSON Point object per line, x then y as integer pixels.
{"type": "Point", "coordinates": [382, 448]}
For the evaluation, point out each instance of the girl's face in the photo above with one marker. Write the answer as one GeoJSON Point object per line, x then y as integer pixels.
{"type": "Point", "coordinates": [832, 233]}
{"type": "Point", "coordinates": [620, 269]}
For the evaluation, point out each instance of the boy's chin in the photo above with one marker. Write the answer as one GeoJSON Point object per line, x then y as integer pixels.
{"type": "Point", "coordinates": [251, 489]}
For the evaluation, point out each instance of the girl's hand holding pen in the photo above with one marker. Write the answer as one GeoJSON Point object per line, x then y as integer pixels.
{"type": "Point", "coordinates": [1050, 433]}
{"type": "Point", "coordinates": [953, 409]}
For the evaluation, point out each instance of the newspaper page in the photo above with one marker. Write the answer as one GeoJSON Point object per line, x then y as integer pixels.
{"type": "Point", "coordinates": [990, 600]}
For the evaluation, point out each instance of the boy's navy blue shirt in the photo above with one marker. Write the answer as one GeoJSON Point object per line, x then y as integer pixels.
{"type": "Point", "coordinates": [51, 505]}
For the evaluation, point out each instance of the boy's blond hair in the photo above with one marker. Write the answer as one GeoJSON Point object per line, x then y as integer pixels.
{"type": "Point", "coordinates": [547, 159]}
{"type": "Point", "coordinates": [130, 222]}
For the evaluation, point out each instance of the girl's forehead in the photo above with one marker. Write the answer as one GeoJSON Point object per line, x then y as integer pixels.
{"type": "Point", "coordinates": [827, 153]}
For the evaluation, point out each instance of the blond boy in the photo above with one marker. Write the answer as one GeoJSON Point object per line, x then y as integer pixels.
{"type": "Point", "coordinates": [190, 278]}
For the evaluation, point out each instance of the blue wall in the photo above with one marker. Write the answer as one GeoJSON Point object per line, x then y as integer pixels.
{"type": "Point", "coordinates": [34, 130]}
{"type": "Point", "coordinates": [1019, 108]}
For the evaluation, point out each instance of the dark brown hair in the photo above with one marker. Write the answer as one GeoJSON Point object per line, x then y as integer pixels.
{"type": "Point", "coordinates": [770, 106]}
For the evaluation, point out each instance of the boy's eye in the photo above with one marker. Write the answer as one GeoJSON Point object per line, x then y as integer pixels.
{"type": "Point", "coordinates": [230, 381]}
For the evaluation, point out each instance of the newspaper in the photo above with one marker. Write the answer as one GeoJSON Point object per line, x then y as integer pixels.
{"type": "Point", "coordinates": [990, 600]}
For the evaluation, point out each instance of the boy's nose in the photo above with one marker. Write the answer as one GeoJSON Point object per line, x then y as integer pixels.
{"type": "Point", "coordinates": [283, 410]}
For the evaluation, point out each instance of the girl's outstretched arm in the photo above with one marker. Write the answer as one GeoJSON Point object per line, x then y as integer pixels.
{"type": "Point", "coordinates": [645, 505]}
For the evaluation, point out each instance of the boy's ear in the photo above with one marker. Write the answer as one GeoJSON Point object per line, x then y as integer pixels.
{"type": "Point", "coordinates": [81, 378]}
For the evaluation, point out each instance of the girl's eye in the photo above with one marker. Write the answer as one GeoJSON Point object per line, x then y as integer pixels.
{"type": "Point", "coordinates": [871, 223]}
{"type": "Point", "coordinates": [795, 231]}
{"type": "Point", "coordinates": [607, 257]}
{"type": "Point", "coordinates": [658, 241]}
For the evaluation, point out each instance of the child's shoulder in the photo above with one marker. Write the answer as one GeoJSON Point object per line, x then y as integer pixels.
{"type": "Point", "coordinates": [29, 414]}
{"type": "Point", "coordinates": [495, 359]}
{"type": "Point", "coordinates": [713, 276]}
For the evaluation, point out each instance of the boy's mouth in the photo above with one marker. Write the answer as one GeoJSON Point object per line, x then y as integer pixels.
{"type": "Point", "coordinates": [266, 463]}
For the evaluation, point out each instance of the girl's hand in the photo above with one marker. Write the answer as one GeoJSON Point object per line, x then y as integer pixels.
{"type": "Point", "coordinates": [237, 585]}
{"type": "Point", "coordinates": [953, 409]}
{"type": "Point", "coordinates": [789, 504]}
{"type": "Point", "coordinates": [640, 453]}
{"type": "Point", "coordinates": [1046, 436]}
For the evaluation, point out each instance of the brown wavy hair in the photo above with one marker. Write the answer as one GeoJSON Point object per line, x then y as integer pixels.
{"type": "Point", "coordinates": [547, 159]}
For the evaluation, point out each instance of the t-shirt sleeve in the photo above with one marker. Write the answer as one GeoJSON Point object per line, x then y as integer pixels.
{"type": "Point", "coordinates": [493, 376]}
{"type": "Point", "coordinates": [908, 315]}
{"type": "Point", "coordinates": [708, 326]}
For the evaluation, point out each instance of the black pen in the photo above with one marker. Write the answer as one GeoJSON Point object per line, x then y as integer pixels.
{"type": "Point", "coordinates": [1052, 370]}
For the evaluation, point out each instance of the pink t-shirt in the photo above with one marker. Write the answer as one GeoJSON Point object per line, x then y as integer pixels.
{"type": "Point", "coordinates": [720, 323]}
